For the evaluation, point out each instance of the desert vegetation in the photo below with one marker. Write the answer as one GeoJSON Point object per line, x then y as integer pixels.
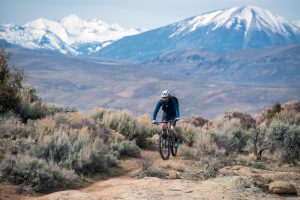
{"type": "Point", "coordinates": [45, 147]}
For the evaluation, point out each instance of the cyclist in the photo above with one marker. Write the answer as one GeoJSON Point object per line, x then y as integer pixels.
{"type": "Point", "coordinates": [170, 109]}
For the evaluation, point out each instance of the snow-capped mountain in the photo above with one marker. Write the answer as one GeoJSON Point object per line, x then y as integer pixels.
{"type": "Point", "coordinates": [297, 23]}
{"type": "Point", "coordinates": [222, 30]}
{"type": "Point", "coordinates": [68, 35]}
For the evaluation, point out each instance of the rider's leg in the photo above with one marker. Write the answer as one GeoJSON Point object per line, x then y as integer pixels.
{"type": "Point", "coordinates": [174, 132]}
{"type": "Point", "coordinates": [164, 128]}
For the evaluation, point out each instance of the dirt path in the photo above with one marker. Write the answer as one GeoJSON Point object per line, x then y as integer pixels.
{"type": "Point", "coordinates": [127, 186]}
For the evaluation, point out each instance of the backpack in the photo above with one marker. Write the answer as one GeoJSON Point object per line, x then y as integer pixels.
{"type": "Point", "coordinates": [176, 99]}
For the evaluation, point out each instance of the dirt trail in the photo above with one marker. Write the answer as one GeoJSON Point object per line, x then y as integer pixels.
{"type": "Point", "coordinates": [127, 186]}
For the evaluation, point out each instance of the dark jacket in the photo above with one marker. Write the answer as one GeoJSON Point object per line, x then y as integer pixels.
{"type": "Point", "coordinates": [170, 108]}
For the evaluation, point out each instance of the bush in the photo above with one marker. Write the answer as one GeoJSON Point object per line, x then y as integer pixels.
{"type": "Point", "coordinates": [128, 148]}
{"type": "Point", "coordinates": [285, 137]}
{"type": "Point", "coordinates": [12, 127]}
{"type": "Point", "coordinates": [211, 166]}
{"type": "Point", "coordinates": [37, 174]}
{"type": "Point", "coordinates": [276, 108]}
{"type": "Point", "coordinates": [187, 152]}
{"type": "Point", "coordinates": [186, 133]}
{"type": "Point", "coordinates": [147, 169]}
{"type": "Point", "coordinates": [289, 117]}
{"type": "Point", "coordinates": [123, 122]}
{"type": "Point", "coordinates": [230, 136]}
{"type": "Point", "coordinates": [81, 152]}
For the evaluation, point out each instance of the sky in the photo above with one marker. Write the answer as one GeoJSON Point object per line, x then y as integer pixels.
{"type": "Point", "coordinates": [133, 13]}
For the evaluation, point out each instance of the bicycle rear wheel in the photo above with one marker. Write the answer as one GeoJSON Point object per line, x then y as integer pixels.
{"type": "Point", "coordinates": [164, 149]}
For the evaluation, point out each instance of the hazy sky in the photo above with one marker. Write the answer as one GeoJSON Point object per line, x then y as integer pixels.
{"type": "Point", "coordinates": [133, 13]}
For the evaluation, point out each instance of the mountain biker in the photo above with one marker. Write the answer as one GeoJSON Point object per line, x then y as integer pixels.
{"type": "Point", "coordinates": [170, 109]}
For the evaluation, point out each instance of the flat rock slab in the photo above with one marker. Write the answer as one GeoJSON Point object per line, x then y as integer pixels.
{"type": "Point", "coordinates": [282, 187]}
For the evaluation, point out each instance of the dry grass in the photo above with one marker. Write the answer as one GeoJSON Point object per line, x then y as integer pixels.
{"type": "Point", "coordinates": [177, 165]}
{"type": "Point", "coordinates": [45, 126]}
{"type": "Point", "coordinates": [244, 159]}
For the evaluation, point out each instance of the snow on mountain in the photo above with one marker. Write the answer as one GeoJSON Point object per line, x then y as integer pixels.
{"type": "Point", "coordinates": [222, 30]}
{"type": "Point", "coordinates": [296, 23]}
{"type": "Point", "coordinates": [249, 17]}
{"type": "Point", "coordinates": [68, 35]}
{"type": "Point", "coordinates": [30, 38]}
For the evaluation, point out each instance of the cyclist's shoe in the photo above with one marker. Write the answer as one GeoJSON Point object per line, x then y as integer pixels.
{"type": "Point", "coordinates": [164, 142]}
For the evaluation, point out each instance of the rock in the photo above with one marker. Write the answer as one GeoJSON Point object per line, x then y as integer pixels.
{"type": "Point", "coordinates": [246, 119]}
{"type": "Point", "coordinates": [282, 187]}
{"type": "Point", "coordinates": [173, 174]}
{"type": "Point", "coordinates": [291, 106]}
{"type": "Point", "coordinates": [196, 121]}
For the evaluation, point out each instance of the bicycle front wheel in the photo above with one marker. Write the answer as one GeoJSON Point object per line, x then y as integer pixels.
{"type": "Point", "coordinates": [164, 147]}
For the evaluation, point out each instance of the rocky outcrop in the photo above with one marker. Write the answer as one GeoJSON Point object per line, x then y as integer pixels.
{"type": "Point", "coordinates": [196, 121]}
{"type": "Point", "coordinates": [246, 119]}
{"type": "Point", "coordinates": [291, 106]}
{"type": "Point", "coordinates": [264, 116]}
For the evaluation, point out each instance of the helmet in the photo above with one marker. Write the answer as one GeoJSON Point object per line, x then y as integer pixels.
{"type": "Point", "coordinates": [165, 93]}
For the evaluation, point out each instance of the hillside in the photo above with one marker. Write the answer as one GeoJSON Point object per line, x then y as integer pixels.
{"type": "Point", "coordinates": [208, 87]}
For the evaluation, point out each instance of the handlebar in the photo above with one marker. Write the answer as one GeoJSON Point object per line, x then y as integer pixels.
{"type": "Point", "coordinates": [162, 122]}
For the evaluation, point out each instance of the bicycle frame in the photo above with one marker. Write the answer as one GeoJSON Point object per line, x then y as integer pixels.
{"type": "Point", "coordinates": [170, 141]}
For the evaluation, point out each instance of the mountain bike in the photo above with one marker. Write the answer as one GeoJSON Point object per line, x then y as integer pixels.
{"type": "Point", "coordinates": [166, 145]}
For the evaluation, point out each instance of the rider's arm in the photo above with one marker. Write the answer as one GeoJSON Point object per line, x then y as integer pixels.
{"type": "Point", "coordinates": [157, 107]}
{"type": "Point", "coordinates": [176, 108]}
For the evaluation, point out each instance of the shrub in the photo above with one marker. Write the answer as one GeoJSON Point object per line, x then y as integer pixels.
{"type": "Point", "coordinates": [147, 169]}
{"type": "Point", "coordinates": [285, 137]}
{"type": "Point", "coordinates": [289, 117]}
{"type": "Point", "coordinates": [186, 133]}
{"type": "Point", "coordinates": [81, 152]}
{"type": "Point", "coordinates": [123, 122]}
{"type": "Point", "coordinates": [211, 158]}
{"type": "Point", "coordinates": [205, 146]}
{"type": "Point", "coordinates": [54, 147]}
{"type": "Point", "coordinates": [12, 127]}
{"type": "Point", "coordinates": [36, 173]}
{"type": "Point", "coordinates": [231, 136]}
{"type": "Point", "coordinates": [128, 148]}
{"type": "Point", "coordinates": [211, 166]}
{"type": "Point", "coordinates": [276, 108]}
{"type": "Point", "coordinates": [187, 152]}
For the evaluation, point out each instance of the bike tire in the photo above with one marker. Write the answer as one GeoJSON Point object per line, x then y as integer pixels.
{"type": "Point", "coordinates": [173, 149]}
{"type": "Point", "coordinates": [164, 151]}
{"type": "Point", "coordinates": [172, 146]}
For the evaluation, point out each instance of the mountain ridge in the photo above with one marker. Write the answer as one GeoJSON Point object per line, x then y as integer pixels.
{"type": "Point", "coordinates": [222, 31]}
{"type": "Point", "coordinates": [68, 35]}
